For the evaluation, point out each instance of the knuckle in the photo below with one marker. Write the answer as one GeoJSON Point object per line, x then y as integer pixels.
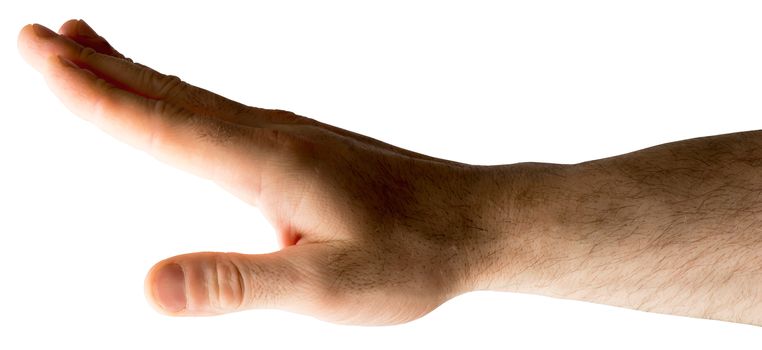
{"type": "Point", "coordinates": [282, 116]}
{"type": "Point", "coordinates": [164, 118]}
{"type": "Point", "coordinates": [168, 111]}
{"type": "Point", "coordinates": [227, 285]}
{"type": "Point", "coordinates": [213, 131]}
{"type": "Point", "coordinates": [287, 140]}
{"type": "Point", "coordinates": [168, 85]}
{"type": "Point", "coordinates": [102, 106]}
{"type": "Point", "coordinates": [171, 120]}
{"type": "Point", "coordinates": [145, 77]}
{"type": "Point", "coordinates": [161, 86]}
{"type": "Point", "coordinates": [208, 103]}
{"type": "Point", "coordinates": [155, 134]}
{"type": "Point", "coordinates": [276, 137]}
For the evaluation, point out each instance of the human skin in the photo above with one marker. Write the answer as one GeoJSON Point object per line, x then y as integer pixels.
{"type": "Point", "coordinates": [375, 234]}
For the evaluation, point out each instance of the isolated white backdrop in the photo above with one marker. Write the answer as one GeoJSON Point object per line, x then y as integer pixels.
{"type": "Point", "coordinates": [83, 217]}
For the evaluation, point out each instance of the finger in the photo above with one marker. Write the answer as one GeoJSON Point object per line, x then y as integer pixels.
{"type": "Point", "coordinates": [137, 79]}
{"type": "Point", "coordinates": [79, 31]}
{"type": "Point", "coordinates": [208, 147]}
{"type": "Point", "coordinates": [216, 283]}
{"type": "Point", "coordinates": [154, 85]}
{"type": "Point", "coordinates": [147, 82]}
{"type": "Point", "coordinates": [196, 99]}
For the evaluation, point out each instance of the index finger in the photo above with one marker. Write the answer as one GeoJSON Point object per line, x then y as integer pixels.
{"type": "Point", "coordinates": [212, 148]}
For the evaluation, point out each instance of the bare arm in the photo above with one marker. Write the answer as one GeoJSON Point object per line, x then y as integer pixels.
{"type": "Point", "coordinates": [374, 234]}
{"type": "Point", "coordinates": [675, 229]}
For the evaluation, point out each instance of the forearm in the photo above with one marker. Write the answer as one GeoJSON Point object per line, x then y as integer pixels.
{"type": "Point", "coordinates": [374, 234]}
{"type": "Point", "coordinates": [673, 229]}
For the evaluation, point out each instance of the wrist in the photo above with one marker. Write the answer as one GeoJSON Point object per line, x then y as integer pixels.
{"type": "Point", "coordinates": [518, 208]}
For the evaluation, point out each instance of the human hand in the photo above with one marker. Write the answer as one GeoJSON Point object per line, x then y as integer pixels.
{"type": "Point", "coordinates": [371, 233]}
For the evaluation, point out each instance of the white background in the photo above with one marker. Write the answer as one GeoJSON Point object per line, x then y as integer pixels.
{"type": "Point", "coordinates": [83, 217]}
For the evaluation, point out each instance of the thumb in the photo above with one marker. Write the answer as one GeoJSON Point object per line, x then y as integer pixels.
{"type": "Point", "coordinates": [216, 283]}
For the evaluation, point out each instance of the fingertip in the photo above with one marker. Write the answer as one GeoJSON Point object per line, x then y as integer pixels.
{"type": "Point", "coordinates": [80, 32]}
{"type": "Point", "coordinates": [26, 45]}
{"type": "Point", "coordinates": [22, 42]}
{"type": "Point", "coordinates": [34, 45]}
{"type": "Point", "coordinates": [69, 28]}
{"type": "Point", "coordinates": [25, 30]}
{"type": "Point", "coordinates": [78, 28]}
{"type": "Point", "coordinates": [85, 30]}
{"type": "Point", "coordinates": [165, 288]}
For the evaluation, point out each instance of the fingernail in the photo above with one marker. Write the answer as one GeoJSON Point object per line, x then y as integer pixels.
{"type": "Point", "coordinates": [43, 32]}
{"type": "Point", "coordinates": [170, 288]}
{"type": "Point", "coordinates": [84, 29]}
